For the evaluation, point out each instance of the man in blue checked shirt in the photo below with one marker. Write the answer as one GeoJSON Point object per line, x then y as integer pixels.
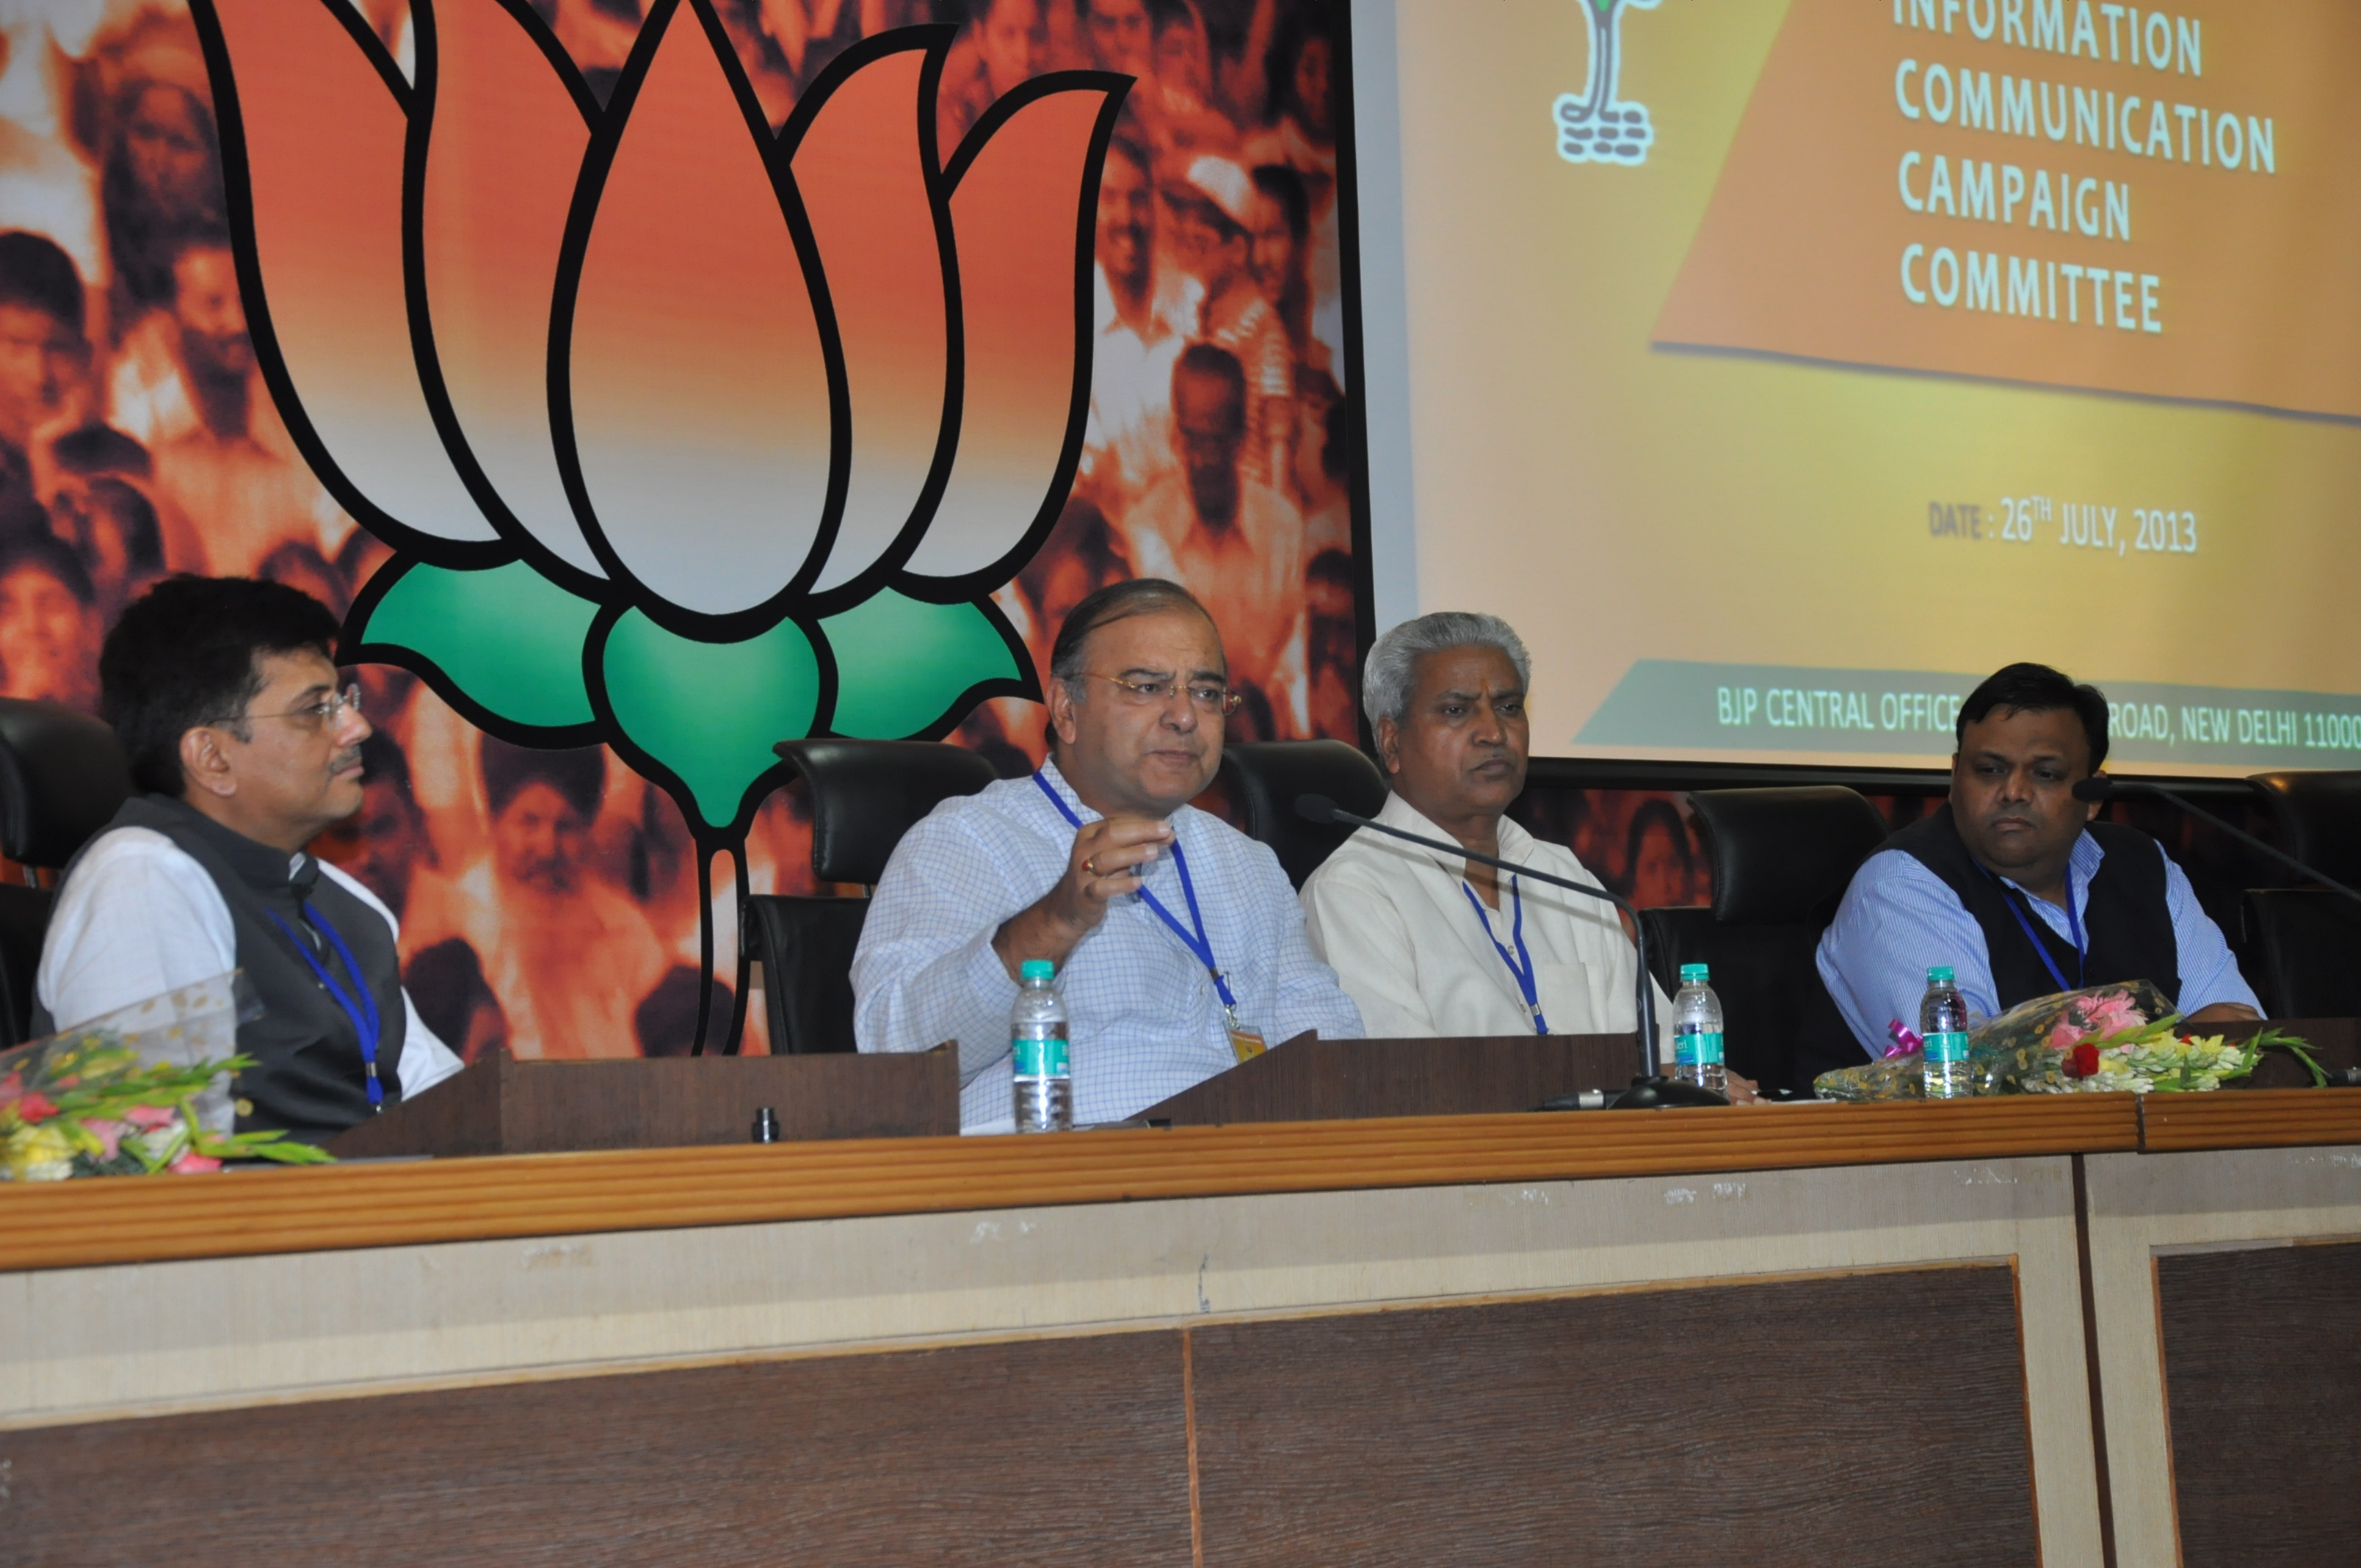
{"type": "Point", "coordinates": [2012, 884]}
{"type": "Point", "coordinates": [1178, 939]}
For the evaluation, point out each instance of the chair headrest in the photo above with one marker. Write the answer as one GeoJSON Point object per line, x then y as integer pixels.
{"type": "Point", "coordinates": [1269, 774]}
{"type": "Point", "coordinates": [2319, 819]}
{"type": "Point", "coordinates": [1785, 856]}
{"type": "Point", "coordinates": [866, 794]}
{"type": "Point", "coordinates": [62, 778]}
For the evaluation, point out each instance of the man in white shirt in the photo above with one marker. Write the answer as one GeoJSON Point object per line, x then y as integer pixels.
{"type": "Point", "coordinates": [1176, 936]}
{"type": "Point", "coordinates": [1433, 945]}
{"type": "Point", "coordinates": [225, 696]}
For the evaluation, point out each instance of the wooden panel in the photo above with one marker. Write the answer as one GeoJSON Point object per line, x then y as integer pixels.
{"type": "Point", "coordinates": [1066, 1452]}
{"type": "Point", "coordinates": [503, 1106]}
{"type": "Point", "coordinates": [2249, 1118]}
{"type": "Point", "coordinates": [2262, 1372]}
{"type": "Point", "coordinates": [1872, 1419]}
{"type": "Point", "coordinates": [128, 1220]}
{"type": "Point", "coordinates": [1314, 1079]}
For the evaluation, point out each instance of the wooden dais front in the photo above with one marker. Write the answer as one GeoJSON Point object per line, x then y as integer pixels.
{"type": "Point", "coordinates": [1879, 1417]}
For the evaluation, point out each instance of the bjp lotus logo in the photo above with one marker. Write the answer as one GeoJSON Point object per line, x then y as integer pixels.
{"type": "Point", "coordinates": [691, 438]}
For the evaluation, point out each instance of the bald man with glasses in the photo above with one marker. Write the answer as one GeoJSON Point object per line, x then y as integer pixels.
{"type": "Point", "coordinates": [227, 702]}
{"type": "Point", "coordinates": [1179, 943]}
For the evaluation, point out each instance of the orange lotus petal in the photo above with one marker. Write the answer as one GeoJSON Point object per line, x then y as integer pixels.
{"type": "Point", "coordinates": [700, 399]}
{"type": "Point", "coordinates": [1017, 213]}
{"type": "Point", "coordinates": [324, 152]}
{"type": "Point", "coordinates": [864, 185]}
{"type": "Point", "coordinates": [501, 162]}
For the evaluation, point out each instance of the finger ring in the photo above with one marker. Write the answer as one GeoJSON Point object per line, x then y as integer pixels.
{"type": "Point", "coordinates": [1091, 864]}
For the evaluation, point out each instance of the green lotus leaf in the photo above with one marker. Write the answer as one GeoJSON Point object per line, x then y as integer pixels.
{"type": "Point", "coordinates": [507, 638]}
{"type": "Point", "coordinates": [902, 664]}
{"type": "Point", "coordinates": [711, 711]}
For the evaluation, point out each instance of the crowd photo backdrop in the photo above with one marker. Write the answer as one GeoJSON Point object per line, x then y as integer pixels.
{"type": "Point", "coordinates": [1783, 367]}
{"type": "Point", "coordinates": [650, 383]}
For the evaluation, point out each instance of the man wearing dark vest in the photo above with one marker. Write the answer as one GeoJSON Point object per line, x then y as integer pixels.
{"type": "Point", "coordinates": [2014, 885]}
{"type": "Point", "coordinates": [225, 697]}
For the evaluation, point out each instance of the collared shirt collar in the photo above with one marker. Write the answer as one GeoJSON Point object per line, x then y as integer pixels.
{"type": "Point", "coordinates": [1516, 844]}
{"type": "Point", "coordinates": [2081, 865]}
{"type": "Point", "coordinates": [1074, 797]}
{"type": "Point", "coordinates": [1067, 792]}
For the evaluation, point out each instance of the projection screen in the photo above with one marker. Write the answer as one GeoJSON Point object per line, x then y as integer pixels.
{"type": "Point", "coordinates": [1780, 369]}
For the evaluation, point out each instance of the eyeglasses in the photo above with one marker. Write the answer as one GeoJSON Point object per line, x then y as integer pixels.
{"type": "Point", "coordinates": [313, 715]}
{"type": "Point", "coordinates": [1156, 694]}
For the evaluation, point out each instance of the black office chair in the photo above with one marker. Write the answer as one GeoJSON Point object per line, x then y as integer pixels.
{"type": "Point", "coordinates": [1781, 860]}
{"type": "Point", "coordinates": [864, 796]}
{"type": "Point", "coordinates": [1266, 775]}
{"type": "Point", "coordinates": [62, 778]}
{"type": "Point", "coordinates": [2304, 943]}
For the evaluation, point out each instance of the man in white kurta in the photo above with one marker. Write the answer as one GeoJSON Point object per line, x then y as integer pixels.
{"type": "Point", "coordinates": [1396, 924]}
{"type": "Point", "coordinates": [1431, 943]}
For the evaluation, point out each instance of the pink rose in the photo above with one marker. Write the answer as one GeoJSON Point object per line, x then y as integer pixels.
{"type": "Point", "coordinates": [107, 1130]}
{"type": "Point", "coordinates": [150, 1115]}
{"type": "Point", "coordinates": [2064, 1037]}
{"type": "Point", "coordinates": [2112, 1015]}
{"type": "Point", "coordinates": [194, 1164]}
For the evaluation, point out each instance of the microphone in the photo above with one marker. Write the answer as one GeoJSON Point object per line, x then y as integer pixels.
{"type": "Point", "coordinates": [2097, 789]}
{"type": "Point", "coordinates": [1650, 1089]}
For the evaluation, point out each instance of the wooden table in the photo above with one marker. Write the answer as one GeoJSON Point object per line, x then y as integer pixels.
{"type": "Point", "coordinates": [1807, 1333]}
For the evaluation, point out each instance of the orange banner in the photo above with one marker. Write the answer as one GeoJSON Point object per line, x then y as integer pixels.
{"type": "Point", "coordinates": [2164, 203]}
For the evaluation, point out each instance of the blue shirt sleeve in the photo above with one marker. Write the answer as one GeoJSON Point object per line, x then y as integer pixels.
{"type": "Point", "coordinates": [925, 970]}
{"type": "Point", "coordinates": [2209, 973]}
{"type": "Point", "coordinates": [1898, 920]}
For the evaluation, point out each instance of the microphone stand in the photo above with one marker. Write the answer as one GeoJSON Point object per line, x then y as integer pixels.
{"type": "Point", "coordinates": [1650, 1087]}
{"type": "Point", "coordinates": [2098, 789]}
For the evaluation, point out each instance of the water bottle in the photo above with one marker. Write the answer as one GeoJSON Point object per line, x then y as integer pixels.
{"type": "Point", "coordinates": [1041, 1066]}
{"type": "Point", "coordinates": [1696, 1033]}
{"type": "Point", "coordinates": [1943, 1024]}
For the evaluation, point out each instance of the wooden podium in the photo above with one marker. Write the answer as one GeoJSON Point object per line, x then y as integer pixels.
{"type": "Point", "coordinates": [1312, 1080]}
{"type": "Point", "coordinates": [504, 1106]}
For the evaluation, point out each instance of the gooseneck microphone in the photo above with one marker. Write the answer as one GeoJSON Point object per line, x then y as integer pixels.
{"type": "Point", "coordinates": [1320, 809]}
{"type": "Point", "coordinates": [2096, 788]}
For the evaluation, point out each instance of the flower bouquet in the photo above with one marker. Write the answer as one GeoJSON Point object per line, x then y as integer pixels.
{"type": "Point", "coordinates": [2102, 1038]}
{"type": "Point", "coordinates": [139, 1091]}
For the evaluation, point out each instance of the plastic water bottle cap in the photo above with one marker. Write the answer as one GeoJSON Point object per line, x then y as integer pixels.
{"type": "Point", "coordinates": [1037, 968]}
{"type": "Point", "coordinates": [1693, 974]}
{"type": "Point", "coordinates": [1940, 975]}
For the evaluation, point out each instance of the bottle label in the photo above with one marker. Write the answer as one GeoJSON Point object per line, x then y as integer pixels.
{"type": "Point", "coordinates": [1947, 1047]}
{"type": "Point", "coordinates": [1697, 1047]}
{"type": "Point", "coordinates": [1040, 1058]}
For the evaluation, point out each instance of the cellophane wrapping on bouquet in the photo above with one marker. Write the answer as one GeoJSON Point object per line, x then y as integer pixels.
{"type": "Point", "coordinates": [142, 1091]}
{"type": "Point", "coordinates": [2027, 1050]}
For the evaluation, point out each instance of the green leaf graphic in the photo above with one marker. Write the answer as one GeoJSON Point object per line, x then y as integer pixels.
{"type": "Point", "coordinates": [509, 638]}
{"type": "Point", "coordinates": [711, 711]}
{"type": "Point", "coordinates": [900, 664]}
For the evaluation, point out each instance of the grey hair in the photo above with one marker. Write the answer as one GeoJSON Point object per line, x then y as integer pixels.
{"type": "Point", "coordinates": [1391, 668]}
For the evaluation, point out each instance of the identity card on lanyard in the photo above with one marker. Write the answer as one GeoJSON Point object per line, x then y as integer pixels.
{"type": "Point", "coordinates": [1245, 1041]}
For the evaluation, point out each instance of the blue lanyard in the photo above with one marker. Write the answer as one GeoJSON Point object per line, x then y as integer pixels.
{"type": "Point", "coordinates": [1196, 942]}
{"type": "Point", "coordinates": [2073, 924]}
{"type": "Point", "coordinates": [1522, 970]}
{"type": "Point", "coordinates": [363, 1012]}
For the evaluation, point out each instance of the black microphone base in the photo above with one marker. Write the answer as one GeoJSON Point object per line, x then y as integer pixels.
{"type": "Point", "coordinates": [1654, 1093]}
